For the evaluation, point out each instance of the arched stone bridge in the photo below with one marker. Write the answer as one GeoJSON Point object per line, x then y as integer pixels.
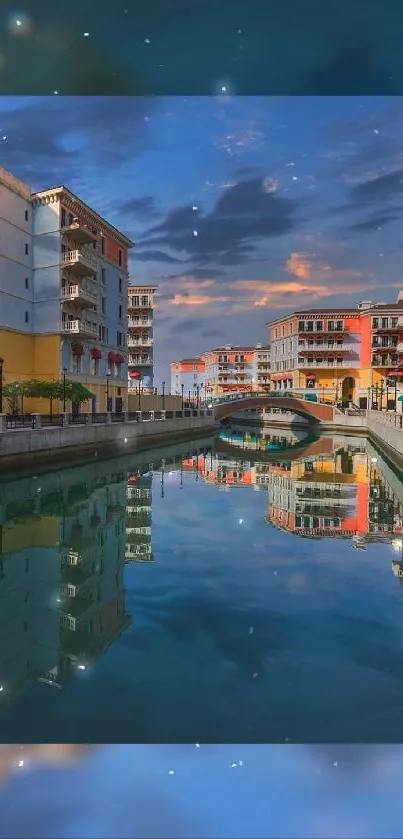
{"type": "Point", "coordinates": [314, 412]}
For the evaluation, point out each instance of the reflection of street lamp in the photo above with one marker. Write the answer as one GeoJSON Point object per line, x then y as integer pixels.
{"type": "Point", "coordinates": [1, 384]}
{"type": "Point", "coordinates": [163, 395]}
{"type": "Point", "coordinates": [64, 389]}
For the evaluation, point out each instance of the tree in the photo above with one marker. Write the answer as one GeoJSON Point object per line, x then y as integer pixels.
{"type": "Point", "coordinates": [13, 392]}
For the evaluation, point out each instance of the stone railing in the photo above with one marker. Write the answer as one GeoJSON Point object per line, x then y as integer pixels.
{"type": "Point", "coordinates": [38, 421]}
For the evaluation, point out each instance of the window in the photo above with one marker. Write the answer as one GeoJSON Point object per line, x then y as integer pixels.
{"type": "Point", "coordinates": [319, 325]}
{"type": "Point", "coordinates": [375, 323]}
{"type": "Point", "coordinates": [120, 313]}
{"type": "Point", "coordinates": [144, 300]}
{"type": "Point", "coordinates": [135, 300]}
{"type": "Point", "coordinates": [394, 323]}
{"type": "Point", "coordinates": [385, 323]}
{"type": "Point", "coordinates": [120, 285]}
{"type": "Point", "coordinates": [63, 218]}
{"type": "Point", "coordinates": [95, 366]}
{"type": "Point", "coordinates": [26, 317]}
{"type": "Point", "coordinates": [120, 257]}
{"type": "Point", "coordinates": [283, 330]}
{"type": "Point", "coordinates": [26, 215]}
{"type": "Point", "coordinates": [102, 244]}
{"type": "Point", "coordinates": [339, 325]}
{"type": "Point", "coordinates": [103, 305]}
{"type": "Point", "coordinates": [26, 282]}
{"type": "Point", "coordinates": [309, 326]}
{"type": "Point", "coordinates": [26, 249]}
{"type": "Point", "coordinates": [103, 276]}
{"type": "Point", "coordinates": [330, 326]}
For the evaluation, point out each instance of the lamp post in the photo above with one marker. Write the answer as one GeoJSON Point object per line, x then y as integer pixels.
{"type": "Point", "coordinates": [1, 384]}
{"type": "Point", "coordinates": [139, 394]}
{"type": "Point", "coordinates": [197, 395]}
{"type": "Point", "coordinates": [64, 389]}
{"type": "Point", "coordinates": [163, 395]}
{"type": "Point", "coordinates": [182, 389]}
{"type": "Point", "coordinates": [107, 392]}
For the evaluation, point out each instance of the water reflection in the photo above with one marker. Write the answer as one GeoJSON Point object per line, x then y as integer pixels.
{"type": "Point", "coordinates": [210, 574]}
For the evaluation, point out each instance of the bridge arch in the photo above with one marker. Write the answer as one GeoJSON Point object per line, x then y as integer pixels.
{"type": "Point", "coordinates": [314, 412]}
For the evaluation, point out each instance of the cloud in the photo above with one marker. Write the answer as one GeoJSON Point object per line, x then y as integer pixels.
{"type": "Point", "coordinates": [51, 140]}
{"type": "Point", "coordinates": [144, 208]}
{"type": "Point", "coordinates": [378, 189]}
{"type": "Point", "coordinates": [372, 224]}
{"type": "Point", "coordinates": [299, 265]}
{"type": "Point", "coordinates": [211, 333]}
{"type": "Point", "coordinates": [196, 300]}
{"type": "Point", "coordinates": [187, 325]}
{"type": "Point", "coordinates": [243, 216]}
{"type": "Point", "coordinates": [153, 256]}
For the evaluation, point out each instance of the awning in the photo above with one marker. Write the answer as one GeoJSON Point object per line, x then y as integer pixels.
{"type": "Point", "coordinates": [83, 391]}
{"type": "Point", "coordinates": [400, 398]}
{"type": "Point", "coordinates": [311, 377]}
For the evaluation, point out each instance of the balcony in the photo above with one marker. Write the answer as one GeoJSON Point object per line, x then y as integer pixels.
{"type": "Point", "coordinates": [399, 347]}
{"type": "Point", "coordinates": [398, 325]}
{"type": "Point", "coordinates": [335, 348]}
{"type": "Point", "coordinates": [143, 361]}
{"type": "Point", "coordinates": [384, 360]}
{"type": "Point", "coordinates": [139, 342]}
{"type": "Point", "coordinates": [79, 263]}
{"type": "Point", "coordinates": [79, 233]}
{"type": "Point", "coordinates": [303, 364]}
{"type": "Point", "coordinates": [320, 332]}
{"type": "Point", "coordinates": [79, 295]}
{"type": "Point", "coordinates": [79, 327]}
{"type": "Point", "coordinates": [136, 323]}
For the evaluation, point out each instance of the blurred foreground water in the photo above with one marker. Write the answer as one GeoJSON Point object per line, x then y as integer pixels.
{"type": "Point", "coordinates": [203, 791]}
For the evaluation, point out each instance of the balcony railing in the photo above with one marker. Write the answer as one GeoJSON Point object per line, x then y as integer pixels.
{"type": "Point", "coordinates": [79, 263]}
{"type": "Point", "coordinates": [137, 323]}
{"type": "Point", "coordinates": [328, 347]}
{"type": "Point", "coordinates": [78, 294]}
{"type": "Point", "coordinates": [79, 327]}
{"type": "Point", "coordinates": [303, 363]}
{"type": "Point", "coordinates": [79, 233]}
{"type": "Point", "coordinates": [145, 361]}
{"type": "Point", "coordinates": [139, 342]}
{"type": "Point", "coordinates": [384, 360]}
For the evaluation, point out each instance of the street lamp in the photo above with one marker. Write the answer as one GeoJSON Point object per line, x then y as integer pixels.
{"type": "Point", "coordinates": [182, 389]}
{"type": "Point", "coordinates": [107, 392]}
{"type": "Point", "coordinates": [163, 395]}
{"type": "Point", "coordinates": [1, 384]}
{"type": "Point", "coordinates": [197, 395]}
{"type": "Point", "coordinates": [139, 394]}
{"type": "Point", "coordinates": [64, 389]}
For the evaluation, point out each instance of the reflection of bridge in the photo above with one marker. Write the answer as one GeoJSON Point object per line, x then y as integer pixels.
{"type": "Point", "coordinates": [314, 412]}
{"type": "Point", "coordinates": [300, 451]}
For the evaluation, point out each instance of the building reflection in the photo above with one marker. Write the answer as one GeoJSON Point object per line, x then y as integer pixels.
{"type": "Point", "coordinates": [139, 517]}
{"type": "Point", "coordinates": [62, 596]}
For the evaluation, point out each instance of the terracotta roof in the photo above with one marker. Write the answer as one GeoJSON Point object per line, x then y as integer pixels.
{"type": "Point", "coordinates": [346, 311]}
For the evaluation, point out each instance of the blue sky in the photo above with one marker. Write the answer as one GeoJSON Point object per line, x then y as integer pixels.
{"type": "Point", "coordinates": [241, 208]}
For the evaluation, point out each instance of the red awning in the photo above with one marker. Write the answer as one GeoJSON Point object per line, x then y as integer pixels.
{"type": "Point", "coordinates": [310, 377]}
{"type": "Point", "coordinates": [119, 358]}
{"type": "Point", "coordinates": [111, 356]}
{"type": "Point", "coordinates": [96, 353]}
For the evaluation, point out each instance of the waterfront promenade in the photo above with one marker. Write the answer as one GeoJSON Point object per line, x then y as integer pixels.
{"type": "Point", "coordinates": [43, 438]}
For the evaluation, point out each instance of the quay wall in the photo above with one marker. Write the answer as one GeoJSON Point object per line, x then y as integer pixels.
{"type": "Point", "coordinates": [26, 447]}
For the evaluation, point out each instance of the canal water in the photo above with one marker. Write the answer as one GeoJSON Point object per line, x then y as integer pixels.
{"type": "Point", "coordinates": [242, 589]}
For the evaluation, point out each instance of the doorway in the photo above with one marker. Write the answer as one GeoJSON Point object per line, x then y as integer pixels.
{"type": "Point", "coordinates": [348, 389]}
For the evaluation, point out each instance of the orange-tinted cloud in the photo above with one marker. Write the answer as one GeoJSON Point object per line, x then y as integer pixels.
{"type": "Point", "coordinates": [299, 265]}
{"type": "Point", "coordinates": [196, 300]}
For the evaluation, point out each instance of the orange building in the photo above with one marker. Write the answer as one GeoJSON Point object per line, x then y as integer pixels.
{"type": "Point", "coordinates": [236, 369]}
{"type": "Point", "coordinates": [350, 355]}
